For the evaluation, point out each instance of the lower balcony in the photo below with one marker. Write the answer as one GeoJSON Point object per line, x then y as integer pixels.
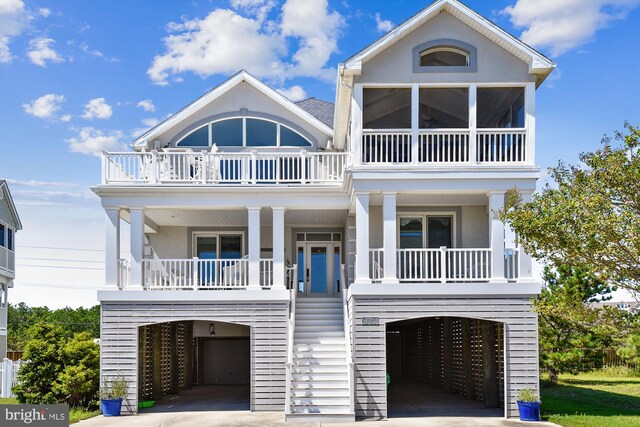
{"type": "Point", "coordinates": [443, 265]}
{"type": "Point", "coordinates": [201, 274]}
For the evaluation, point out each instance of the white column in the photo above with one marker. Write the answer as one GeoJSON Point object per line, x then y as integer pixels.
{"type": "Point", "coordinates": [112, 247]}
{"type": "Point", "coordinates": [278, 248]}
{"type": "Point", "coordinates": [473, 123]}
{"type": "Point", "coordinates": [362, 238]}
{"type": "Point", "coordinates": [415, 122]}
{"type": "Point", "coordinates": [530, 121]}
{"type": "Point", "coordinates": [356, 123]}
{"type": "Point", "coordinates": [254, 248]}
{"type": "Point", "coordinates": [137, 246]}
{"type": "Point", "coordinates": [526, 269]}
{"type": "Point", "coordinates": [496, 236]}
{"type": "Point", "coordinates": [390, 237]}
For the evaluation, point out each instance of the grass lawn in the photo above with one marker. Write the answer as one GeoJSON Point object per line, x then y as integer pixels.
{"type": "Point", "coordinates": [75, 415]}
{"type": "Point", "coordinates": [592, 400]}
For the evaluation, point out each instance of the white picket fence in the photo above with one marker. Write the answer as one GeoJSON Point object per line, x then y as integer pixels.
{"type": "Point", "coordinates": [8, 376]}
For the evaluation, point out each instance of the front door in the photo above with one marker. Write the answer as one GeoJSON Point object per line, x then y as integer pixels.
{"type": "Point", "coordinates": [318, 269]}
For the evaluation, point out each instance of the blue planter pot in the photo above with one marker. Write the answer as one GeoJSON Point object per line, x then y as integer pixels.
{"type": "Point", "coordinates": [529, 411]}
{"type": "Point", "coordinates": [111, 407]}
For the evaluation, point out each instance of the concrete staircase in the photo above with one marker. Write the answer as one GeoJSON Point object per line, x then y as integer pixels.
{"type": "Point", "coordinates": [319, 375]}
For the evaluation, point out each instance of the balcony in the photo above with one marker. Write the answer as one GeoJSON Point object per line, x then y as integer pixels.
{"type": "Point", "coordinates": [207, 168]}
{"type": "Point", "coordinates": [7, 260]}
{"type": "Point", "coordinates": [201, 274]}
{"type": "Point", "coordinates": [445, 147]}
{"type": "Point", "coordinates": [443, 265]}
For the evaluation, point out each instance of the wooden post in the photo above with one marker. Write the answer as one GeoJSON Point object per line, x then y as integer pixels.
{"type": "Point", "coordinates": [436, 352]}
{"type": "Point", "coordinates": [490, 365]}
{"type": "Point", "coordinates": [469, 389]}
{"type": "Point", "coordinates": [156, 337]}
{"type": "Point", "coordinates": [173, 345]}
{"type": "Point", "coordinates": [188, 354]}
{"type": "Point", "coordinates": [447, 357]}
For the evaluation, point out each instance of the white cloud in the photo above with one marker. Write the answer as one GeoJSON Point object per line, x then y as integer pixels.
{"type": "Point", "coordinates": [92, 141]}
{"type": "Point", "coordinates": [317, 31]}
{"type": "Point", "coordinates": [45, 107]}
{"type": "Point", "coordinates": [65, 118]}
{"type": "Point", "coordinates": [14, 19]}
{"type": "Point", "coordinates": [148, 124]}
{"type": "Point", "coordinates": [44, 12]}
{"type": "Point", "coordinates": [147, 105]}
{"type": "Point", "coordinates": [40, 51]}
{"type": "Point", "coordinates": [383, 25]}
{"type": "Point", "coordinates": [294, 93]}
{"type": "Point", "coordinates": [221, 43]}
{"type": "Point", "coordinates": [562, 25]}
{"type": "Point", "coordinates": [97, 109]}
{"type": "Point", "coordinates": [95, 52]}
{"type": "Point", "coordinates": [225, 41]}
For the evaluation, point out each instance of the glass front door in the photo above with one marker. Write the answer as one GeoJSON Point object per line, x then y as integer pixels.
{"type": "Point", "coordinates": [318, 269]}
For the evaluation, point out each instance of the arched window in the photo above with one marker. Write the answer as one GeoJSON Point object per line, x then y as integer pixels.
{"type": "Point", "coordinates": [444, 56]}
{"type": "Point", "coordinates": [244, 132]}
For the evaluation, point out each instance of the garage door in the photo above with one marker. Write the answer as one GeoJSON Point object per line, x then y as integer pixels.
{"type": "Point", "coordinates": [226, 361]}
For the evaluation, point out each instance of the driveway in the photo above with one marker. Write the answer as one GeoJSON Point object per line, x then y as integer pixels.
{"type": "Point", "coordinates": [228, 406]}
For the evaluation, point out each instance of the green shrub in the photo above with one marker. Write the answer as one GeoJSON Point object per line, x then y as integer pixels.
{"type": "Point", "coordinates": [117, 388]}
{"type": "Point", "coordinates": [59, 370]}
{"type": "Point", "coordinates": [528, 395]}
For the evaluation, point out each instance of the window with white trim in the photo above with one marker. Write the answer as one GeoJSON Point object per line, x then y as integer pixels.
{"type": "Point", "coordinates": [426, 231]}
{"type": "Point", "coordinates": [244, 132]}
{"type": "Point", "coordinates": [444, 56]}
{"type": "Point", "coordinates": [7, 237]}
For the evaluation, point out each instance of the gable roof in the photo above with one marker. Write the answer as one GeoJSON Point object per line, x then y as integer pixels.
{"type": "Point", "coordinates": [209, 97]}
{"type": "Point", "coordinates": [538, 63]}
{"type": "Point", "coordinates": [322, 110]}
{"type": "Point", "coordinates": [6, 194]}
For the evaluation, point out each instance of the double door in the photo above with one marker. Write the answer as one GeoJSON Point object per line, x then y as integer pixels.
{"type": "Point", "coordinates": [318, 269]}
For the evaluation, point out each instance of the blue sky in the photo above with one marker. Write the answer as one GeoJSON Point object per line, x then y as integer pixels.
{"type": "Point", "coordinates": [78, 76]}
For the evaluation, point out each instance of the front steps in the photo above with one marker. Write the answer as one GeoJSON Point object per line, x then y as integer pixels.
{"type": "Point", "coordinates": [319, 375]}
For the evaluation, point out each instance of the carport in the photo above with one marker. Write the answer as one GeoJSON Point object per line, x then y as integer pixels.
{"type": "Point", "coordinates": [445, 366]}
{"type": "Point", "coordinates": [194, 365]}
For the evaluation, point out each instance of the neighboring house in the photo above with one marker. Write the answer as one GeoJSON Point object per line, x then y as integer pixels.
{"type": "Point", "coordinates": [309, 254]}
{"type": "Point", "coordinates": [631, 307]}
{"type": "Point", "coordinates": [9, 224]}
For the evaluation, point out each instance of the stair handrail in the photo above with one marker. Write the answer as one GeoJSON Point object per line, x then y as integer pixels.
{"type": "Point", "coordinates": [347, 338]}
{"type": "Point", "coordinates": [289, 365]}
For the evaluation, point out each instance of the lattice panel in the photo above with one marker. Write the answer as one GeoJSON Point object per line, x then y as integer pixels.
{"type": "Point", "coordinates": [477, 356]}
{"type": "Point", "coordinates": [458, 366]}
{"type": "Point", "coordinates": [180, 341]}
{"type": "Point", "coordinates": [145, 363]}
{"type": "Point", "coordinates": [500, 357]}
{"type": "Point", "coordinates": [165, 358]}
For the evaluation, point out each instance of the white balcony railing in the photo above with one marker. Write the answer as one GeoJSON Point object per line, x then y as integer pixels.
{"type": "Point", "coordinates": [445, 146]}
{"type": "Point", "coordinates": [124, 273]}
{"type": "Point", "coordinates": [435, 265]}
{"type": "Point", "coordinates": [198, 274]}
{"type": "Point", "coordinates": [224, 168]}
{"type": "Point", "coordinates": [512, 263]}
{"type": "Point", "coordinates": [7, 260]}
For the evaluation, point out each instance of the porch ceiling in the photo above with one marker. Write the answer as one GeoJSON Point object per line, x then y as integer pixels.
{"type": "Point", "coordinates": [238, 218]}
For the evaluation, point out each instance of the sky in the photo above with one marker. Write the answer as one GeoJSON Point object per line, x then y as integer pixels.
{"type": "Point", "coordinates": [79, 76]}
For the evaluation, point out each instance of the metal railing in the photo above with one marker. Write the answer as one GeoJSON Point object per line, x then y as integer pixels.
{"type": "Point", "coordinates": [205, 168]}
{"type": "Point", "coordinates": [435, 265]}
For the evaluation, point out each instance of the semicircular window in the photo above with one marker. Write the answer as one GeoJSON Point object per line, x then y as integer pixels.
{"type": "Point", "coordinates": [239, 132]}
{"type": "Point", "coordinates": [444, 56]}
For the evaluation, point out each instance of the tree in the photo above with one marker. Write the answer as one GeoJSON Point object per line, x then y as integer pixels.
{"type": "Point", "coordinates": [59, 369]}
{"type": "Point", "coordinates": [590, 215]}
{"type": "Point", "coordinates": [571, 331]}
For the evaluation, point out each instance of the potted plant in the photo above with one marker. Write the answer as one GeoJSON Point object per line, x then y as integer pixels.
{"type": "Point", "coordinates": [111, 395]}
{"type": "Point", "coordinates": [529, 405]}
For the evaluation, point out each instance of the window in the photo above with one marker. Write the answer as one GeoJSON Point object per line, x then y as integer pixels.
{"type": "Point", "coordinates": [387, 108]}
{"type": "Point", "coordinates": [444, 56]}
{"type": "Point", "coordinates": [444, 108]}
{"type": "Point", "coordinates": [218, 246]}
{"type": "Point", "coordinates": [426, 231]}
{"type": "Point", "coordinates": [2, 236]}
{"type": "Point", "coordinates": [244, 132]}
{"type": "Point", "coordinates": [501, 107]}
{"type": "Point", "coordinates": [9, 239]}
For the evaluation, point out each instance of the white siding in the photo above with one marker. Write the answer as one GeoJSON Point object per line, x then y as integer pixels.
{"type": "Point", "coordinates": [268, 321]}
{"type": "Point", "coordinates": [521, 335]}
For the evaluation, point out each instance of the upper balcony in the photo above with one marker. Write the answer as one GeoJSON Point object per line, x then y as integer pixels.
{"type": "Point", "coordinates": [188, 167]}
{"type": "Point", "coordinates": [7, 254]}
{"type": "Point", "coordinates": [463, 126]}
